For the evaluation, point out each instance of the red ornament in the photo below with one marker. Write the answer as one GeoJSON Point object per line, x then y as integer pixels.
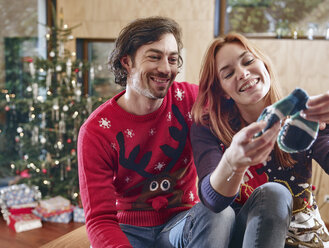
{"type": "Point", "coordinates": [69, 141]}
{"type": "Point", "coordinates": [313, 188]}
{"type": "Point", "coordinates": [25, 174]}
{"type": "Point", "coordinates": [76, 70]}
{"type": "Point", "coordinates": [27, 59]}
{"type": "Point", "coordinates": [7, 108]}
{"type": "Point", "coordinates": [73, 152]}
{"type": "Point", "coordinates": [44, 171]}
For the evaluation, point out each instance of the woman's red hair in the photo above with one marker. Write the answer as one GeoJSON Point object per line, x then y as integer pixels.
{"type": "Point", "coordinates": [213, 109]}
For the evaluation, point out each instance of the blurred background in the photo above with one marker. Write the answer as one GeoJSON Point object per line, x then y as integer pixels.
{"type": "Point", "coordinates": [53, 69]}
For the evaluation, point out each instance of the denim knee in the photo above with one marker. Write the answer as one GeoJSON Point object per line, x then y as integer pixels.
{"type": "Point", "coordinates": [225, 218]}
{"type": "Point", "coordinates": [216, 229]}
{"type": "Point", "coordinates": [277, 192]}
{"type": "Point", "coordinates": [276, 199]}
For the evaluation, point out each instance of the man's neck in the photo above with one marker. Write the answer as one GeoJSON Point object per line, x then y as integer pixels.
{"type": "Point", "coordinates": [137, 104]}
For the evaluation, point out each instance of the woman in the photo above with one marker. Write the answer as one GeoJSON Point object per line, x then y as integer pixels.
{"type": "Point", "coordinates": [237, 82]}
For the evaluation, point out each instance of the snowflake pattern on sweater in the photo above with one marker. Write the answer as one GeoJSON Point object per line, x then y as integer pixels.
{"type": "Point", "coordinates": [153, 168]}
{"type": "Point", "coordinates": [137, 170]}
{"type": "Point", "coordinates": [307, 228]}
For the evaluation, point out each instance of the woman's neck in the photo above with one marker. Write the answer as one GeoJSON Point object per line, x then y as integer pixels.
{"type": "Point", "coordinates": [250, 113]}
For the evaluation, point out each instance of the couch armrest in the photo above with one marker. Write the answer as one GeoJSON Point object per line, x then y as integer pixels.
{"type": "Point", "coordinates": [75, 239]}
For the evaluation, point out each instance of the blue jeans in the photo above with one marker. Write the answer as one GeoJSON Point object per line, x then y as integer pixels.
{"type": "Point", "coordinates": [264, 219]}
{"type": "Point", "coordinates": [198, 227]}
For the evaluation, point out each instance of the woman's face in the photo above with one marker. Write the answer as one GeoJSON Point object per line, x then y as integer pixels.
{"type": "Point", "coordinates": [243, 77]}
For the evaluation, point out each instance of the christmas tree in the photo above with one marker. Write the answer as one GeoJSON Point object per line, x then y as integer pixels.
{"type": "Point", "coordinates": [42, 117]}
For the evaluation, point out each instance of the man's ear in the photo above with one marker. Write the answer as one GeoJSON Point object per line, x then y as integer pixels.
{"type": "Point", "coordinates": [126, 62]}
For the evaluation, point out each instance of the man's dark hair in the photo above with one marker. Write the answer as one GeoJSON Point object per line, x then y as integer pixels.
{"type": "Point", "coordinates": [136, 34]}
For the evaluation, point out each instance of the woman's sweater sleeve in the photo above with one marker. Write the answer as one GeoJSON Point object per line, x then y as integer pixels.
{"type": "Point", "coordinates": [320, 149]}
{"type": "Point", "coordinates": [207, 152]}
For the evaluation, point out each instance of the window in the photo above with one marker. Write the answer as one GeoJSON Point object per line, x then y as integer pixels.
{"type": "Point", "coordinates": [22, 36]}
{"type": "Point", "coordinates": [99, 81]}
{"type": "Point", "coordinates": [276, 18]}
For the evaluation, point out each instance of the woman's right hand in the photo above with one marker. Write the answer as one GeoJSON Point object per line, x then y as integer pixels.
{"type": "Point", "coordinates": [245, 150]}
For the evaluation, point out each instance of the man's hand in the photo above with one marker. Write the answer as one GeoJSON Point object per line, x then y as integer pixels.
{"type": "Point", "coordinates": [317, 109]}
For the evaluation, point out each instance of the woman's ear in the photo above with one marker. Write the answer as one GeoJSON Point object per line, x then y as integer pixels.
{"type": "Point", "coordinates": [126, 62]}
{"type": "Point", "coordinates": [227, 97]}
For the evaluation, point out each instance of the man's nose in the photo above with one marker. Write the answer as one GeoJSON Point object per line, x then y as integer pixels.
{"type": "Point", "coordinates": [164, 66]}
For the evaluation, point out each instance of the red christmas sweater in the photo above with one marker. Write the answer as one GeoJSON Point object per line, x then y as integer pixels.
{"type": "Point", "coordinates": [136, 170]}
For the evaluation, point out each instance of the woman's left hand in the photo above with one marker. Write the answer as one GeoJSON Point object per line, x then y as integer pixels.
{"type": "Point", "coordinates": [317, 108]}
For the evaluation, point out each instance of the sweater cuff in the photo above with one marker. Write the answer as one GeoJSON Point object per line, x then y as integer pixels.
{"type": "Point", "coordinates": [212, 199]}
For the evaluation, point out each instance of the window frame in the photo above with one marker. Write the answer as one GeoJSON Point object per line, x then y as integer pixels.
{"type": "Point", "coordinates": [82, 53]}
{"type": "Point", "coordinates": [221, 26]}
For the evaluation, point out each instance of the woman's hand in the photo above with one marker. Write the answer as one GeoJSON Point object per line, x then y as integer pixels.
{"type": "Point", "coordinates": [317, 108]}
{"type": "Point", "coordinates": [245, 150]}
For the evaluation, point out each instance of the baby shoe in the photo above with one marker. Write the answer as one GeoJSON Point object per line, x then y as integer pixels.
{"type": "Point", "coordinates": [297, 134]}
{"type": "Point", "coordinates": [281, 109]}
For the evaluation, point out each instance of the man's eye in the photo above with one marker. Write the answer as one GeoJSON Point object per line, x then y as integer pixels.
{"type": "Point", "coordinates": [154, 57]}
{"type": "Point", "coordinates": [173, 60]}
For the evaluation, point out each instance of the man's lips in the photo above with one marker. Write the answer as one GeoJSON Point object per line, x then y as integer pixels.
{"type": "Point", "coordinates": [160, 80]}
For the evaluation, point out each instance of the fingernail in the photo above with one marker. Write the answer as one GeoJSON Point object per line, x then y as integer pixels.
{"type": "Point", "coordinates": [302, 114]}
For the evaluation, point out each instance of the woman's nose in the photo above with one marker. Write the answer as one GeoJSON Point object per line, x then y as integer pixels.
{"type": "Point", "coordinates": [242, 73]}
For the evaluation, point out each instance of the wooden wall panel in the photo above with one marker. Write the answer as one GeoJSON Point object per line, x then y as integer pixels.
{"type": "Point", "coordinates": [105, 18]}
{"type": "Point", "coordinates": [321, 183]}
{"type": "Point", "coordinates": [299, 63]}
{"type": "Point", "coordinates": [304, 64]}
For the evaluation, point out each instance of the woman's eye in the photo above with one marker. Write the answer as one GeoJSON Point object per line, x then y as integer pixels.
{"type": "Point", "coordinates": [249, 61]}
{"type": "Point", "coordinates": [228, 75]}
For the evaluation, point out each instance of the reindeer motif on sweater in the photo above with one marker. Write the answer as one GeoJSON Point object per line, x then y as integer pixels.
{"type": "Point", "coordinates": [158, 190]}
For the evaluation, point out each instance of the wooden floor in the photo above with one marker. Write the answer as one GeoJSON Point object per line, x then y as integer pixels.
{"type": "Point", "coordinates": [36, 237]}
{"type": "Point", "coordinates": [40, 236]}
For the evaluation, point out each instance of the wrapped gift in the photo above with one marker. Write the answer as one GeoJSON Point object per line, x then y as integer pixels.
{"type": "Point", "coordinates": [44, 212]}
{"type": "Point", "coordinates": [17, 211]}
{"type": "Point", "coordinates": [55, 204]}
{"type": "Point", "coordinates": [23, 208]}
{"type": "Point", "coordinates": [64, 217]}
{"type": "Point", "coordinates": [5, 214]}
{"type": "Point", "coordinates": [24, 222]}
{"type": "Point", "coordinates": [78, 215]}
{"type": "Point", "coordinates": [26, 205]}
{"type": "Point", "coordinates": [18, 194]}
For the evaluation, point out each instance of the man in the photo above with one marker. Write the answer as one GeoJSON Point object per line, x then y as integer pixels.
{"type": "Point", "coordinates": [136, 170]}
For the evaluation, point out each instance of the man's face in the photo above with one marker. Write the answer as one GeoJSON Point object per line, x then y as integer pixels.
{"type": "Point", "coordinates": [154, 67]}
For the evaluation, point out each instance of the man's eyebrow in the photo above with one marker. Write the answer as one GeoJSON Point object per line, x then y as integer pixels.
{"type": "Point", "coordinates": [159, 51]}
{"type": "Point", "coordinates": [240, 56]}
